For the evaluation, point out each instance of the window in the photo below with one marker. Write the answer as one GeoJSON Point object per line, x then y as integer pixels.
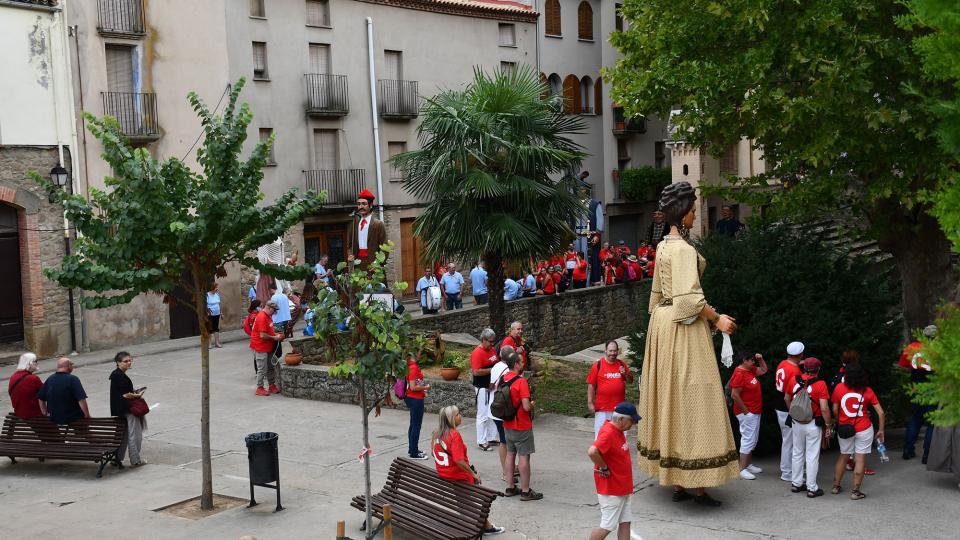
{"type": "Point", "coordinates": [326, 155]}
{"type": "Point", "coordinates": [393, 149]}
{"type": "Point", "coordinates": [508, 35]}
{"type": "Point", "coordinates": [320, 58]}
{"type": "Point", "coordinates": [260, 61]}
{"type": "Point", "coordinates": [551, 18]}
{"type": "Point", "coordinates": [393, 65]}
{"type": "Point", "coordinates": [508, 68]}
{"type": "Point", "coordinates": [728, 161]}
{"type": "Point", "coordinates": [598, 97]}
{"type": "Point", "coordinates": [119, 68]}
{"type": "Point", "coordinates": [659, 154]}
{"type": "Point", "coordinates": [571, 94]}
{"type": "Point", "coordinates": [586, 94]}
{"type": "Point", "coordinates": [556, 87]}
{"type": "Point", "coordinates": [585, 21]}
{"type": "Point", "coordinates": [618, 21]}
{"type": "Point", "coordinates": [318, 13]}
{"type": "Point", "coordinates": [257, 8]}
{"type": "Point", "coordinates": [686, 169]}
{"type": "Point", "coordinates": [623, 153]}
{"type": "Point", "coordinates": [265, 134]}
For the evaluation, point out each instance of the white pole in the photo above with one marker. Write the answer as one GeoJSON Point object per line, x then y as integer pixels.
{"type": "Point", "coordinates": [373, 113]}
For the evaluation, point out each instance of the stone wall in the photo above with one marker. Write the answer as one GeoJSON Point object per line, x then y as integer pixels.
{"type": "Point", "coordinates": [560, 324]}
{"type": "Point", "coordinates": [314, 382]}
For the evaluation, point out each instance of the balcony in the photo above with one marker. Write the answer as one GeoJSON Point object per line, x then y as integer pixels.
{"type": "Point", "coordinates": [327, 95]}
{"type": "Point", "coordinates": [623, 126]}
{"type": "Point", "coordinates": [397, 99]}
{"type": "Point", "coordinates": [120, 18]}
{"type": "Point", "coordinates": [341, 185]}
{"type": "Point", "coordinates": [136, 112]}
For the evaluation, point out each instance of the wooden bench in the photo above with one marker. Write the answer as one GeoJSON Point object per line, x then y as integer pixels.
{"type": "Point", "coordinates": [428, 506]}
{"type": "Point", "coordinates": [88, 439]}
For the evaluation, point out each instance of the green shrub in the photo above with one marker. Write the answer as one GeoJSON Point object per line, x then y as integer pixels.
{"type": "Point", "coordinates": [943, 353]}
{"type": "Point", "coordinates": [644, 183]}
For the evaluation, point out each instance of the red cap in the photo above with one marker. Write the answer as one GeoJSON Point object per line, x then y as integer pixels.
{"type": "Point", "coordinates": [366, 194]}
{"type": "Point", "coordinates": [812, 364]}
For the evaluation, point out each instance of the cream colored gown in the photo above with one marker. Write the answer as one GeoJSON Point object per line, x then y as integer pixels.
{"type": "Point", "coordinates": [685, 437]}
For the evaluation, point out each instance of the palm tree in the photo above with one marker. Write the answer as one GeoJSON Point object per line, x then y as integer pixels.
{"type": "Point", "coordinates": [485, 162]}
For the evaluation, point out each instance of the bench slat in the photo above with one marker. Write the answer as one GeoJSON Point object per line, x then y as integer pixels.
{"type": "Point", "coordinates": [424, 525]}
{"type": "Point", "coordinates": [88, 439]}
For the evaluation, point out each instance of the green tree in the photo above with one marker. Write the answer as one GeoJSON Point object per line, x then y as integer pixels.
{"type": "Point", "coordinates": [157, 219]}
{"type": "Point", "coordinates": [644, 183]}
{"type": "Point", "coordinates": [370, 342]}
{"type": "Point", "coordinates": [834, 94]}
{"type": "Point", "coordinates": [486, 156]}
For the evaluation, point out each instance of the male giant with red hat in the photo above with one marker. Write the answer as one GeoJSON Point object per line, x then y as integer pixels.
{"type": "Point", "coordinates": [366, 234]}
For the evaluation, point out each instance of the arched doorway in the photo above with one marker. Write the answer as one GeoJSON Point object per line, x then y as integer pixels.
{"type": "Point", "coordinates": [11, 299]}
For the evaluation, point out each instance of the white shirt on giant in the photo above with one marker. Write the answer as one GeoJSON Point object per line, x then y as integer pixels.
{"type": "Point", "coordinates": [363, 228]}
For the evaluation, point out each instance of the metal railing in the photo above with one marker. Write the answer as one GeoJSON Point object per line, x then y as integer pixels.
{"type": "Point", "coordinates": [136, 112]}
{"type": "Point", "coordinates": [398, 99]}
{"type": "Point", "coordinates": [623, 125]}
{"type": "Point", "coordinates": [327, 95]}
{"type": "Point", "coordinates": [120, 17]}
{"type": "Point", "coordinates": [341, 185]}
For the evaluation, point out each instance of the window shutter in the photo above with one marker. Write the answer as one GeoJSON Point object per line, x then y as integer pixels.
{"type": "Point", "coordinates": [325, 149]}
{"type": "Point", "coordinates": [318, 12]}
{"type": "Point", "coordinates": [259, 59]}
{"type": "Point", "coordinates": [393, 65]}
{"type": "Point", "coordinates": [598, 96]}
{"type": "Point", "coordinates": [319, 58]}
{"type": "Point", "coordinates": [256, 8]}
{"type": "Point", "coordinates": [571, 94]}
{"type": "Point", "coordinates": [552, 17]}
{"type": "Point", "coordinates": [119, 68]}
{"type": "Point", "coordinates": [585, 21]}
{"type": "Point", "coordinates": [507, 36]}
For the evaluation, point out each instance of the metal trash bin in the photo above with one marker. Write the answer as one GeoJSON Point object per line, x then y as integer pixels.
{"type": "Point", "coordinates": [264, 463]}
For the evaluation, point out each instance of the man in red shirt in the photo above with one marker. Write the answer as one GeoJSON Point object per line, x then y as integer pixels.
{"type": "Point", "coordinates": [519, 432]}
{"type": "Point", "coordinates": [481, 360]}
{"type": "Point", "coordinates": [613, 472]}
{"type": "Point", "coordinates": [263, 341]}
{"type": "Point", "coordinates": [807, 436]}
{"type": "Point", "coordinates": [579, 271]}
{"type": "Point", "coordinates": [747, 405]}
{"type": "Point", "coordinates": [787, 371]}
{"type": "Point", "coordinates": [912, 359]}
{"type": "Point", "coordinates": [607, 385]}
{"type": "Point", "coordinates": [515, 340]}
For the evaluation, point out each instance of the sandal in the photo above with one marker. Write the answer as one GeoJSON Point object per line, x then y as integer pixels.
{"type": "Point", "coordinates": [856, 495]}
{"type": "Point", "coordinates": [836, 489]}
{"type": "Point", "coordinates": [814, 494]}
{"type": "Point", "coordinates": [682, 495]}
{"type": "Point", "coordinates": [485, 447]}
{"type": "Point", "coordinates": [798, 489]}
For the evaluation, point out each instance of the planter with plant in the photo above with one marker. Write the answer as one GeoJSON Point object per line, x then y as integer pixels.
{"type": "Point", "coordinates": [452, 365]}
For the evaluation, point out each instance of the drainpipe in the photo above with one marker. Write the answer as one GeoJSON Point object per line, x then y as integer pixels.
{"type": "Point", "coordinates": [373, 112]}
{"type": "Point", "coordinates": [536, 7]}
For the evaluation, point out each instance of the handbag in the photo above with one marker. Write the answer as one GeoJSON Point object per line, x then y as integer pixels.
{"type": "Point", "coordinates": [845, 431]}
{"type": "Point", "coordinates": [139, 407]}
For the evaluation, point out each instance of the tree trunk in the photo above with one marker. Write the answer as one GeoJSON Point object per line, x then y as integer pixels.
{"type": "Point", "coordinates": [495, 278]}
{"type": "Point", "coordinates": [922, 254]}
{"type": "Point", "coordinates": [200, 301]}
{"type": "Point", "coordinates": [366, 459]}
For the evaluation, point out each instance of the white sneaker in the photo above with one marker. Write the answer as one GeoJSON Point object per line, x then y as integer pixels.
{"type": "Point", "coordinates": [754, 469]}
{"type": "Point", "coordinates": [747, 475]}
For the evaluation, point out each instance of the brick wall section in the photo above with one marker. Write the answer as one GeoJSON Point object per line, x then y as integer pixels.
{"type": "Point", "coordinates": [45, 304]}
{"type": "Point", "coordinates": [560, 324]}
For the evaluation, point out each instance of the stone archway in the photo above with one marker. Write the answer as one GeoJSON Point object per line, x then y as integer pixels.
{"type": "Point", "coordinates": [26, 206]}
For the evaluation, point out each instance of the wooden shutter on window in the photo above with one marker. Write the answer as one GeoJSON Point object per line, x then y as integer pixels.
{"type": "Point", "coordinates": [571, 94]}
{"type": "Point", "coordinates": [119, 68]}
{"type": "Point", "coordinates": [393, 65]}
{"type": "Point", "coordinates": [585, 21]}
{"type": "Point", "coordinates": [325, 149]}
{"type": "Point", "coordinates": [552, 17]}
{"type": "Point", "coordinates": [598, 96]}
{"type": "Point", "coordinates": [318, 13]}
{"type": "Point", "coordinates": [319, 58]}
{"type": "Point", "coordinates": [259, 59]}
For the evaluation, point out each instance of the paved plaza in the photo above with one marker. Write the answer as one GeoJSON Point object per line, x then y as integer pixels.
{"type": "Point", "coordinates": [319, 471]}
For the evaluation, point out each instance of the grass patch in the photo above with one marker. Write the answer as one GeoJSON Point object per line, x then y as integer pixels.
{"type": "Point", "coordinates": [562, 388]}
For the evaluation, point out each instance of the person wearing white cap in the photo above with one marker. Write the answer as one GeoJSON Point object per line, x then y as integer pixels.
{"type": "Point", "coordinates": [788, 370]}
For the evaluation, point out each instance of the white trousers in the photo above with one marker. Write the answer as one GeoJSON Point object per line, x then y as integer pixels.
{"type": "Point", "coordinates": [806, 453]}
{"type": "Point", "coordinates": [134, 440]}
{"type": "Point", "coordinates": [486, 429]}
{"type": "Point", "coordinates": [599, 418]}
{"type": "Point", "coordinates": [786, 446]}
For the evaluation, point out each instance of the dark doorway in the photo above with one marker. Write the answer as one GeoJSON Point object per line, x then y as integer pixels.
{"type": "Point", "coordinates": [11, 301]}
{"type": "Point", "coordinates": [183, 320]}
{"type": "Point", "coordinates": [327, 239]}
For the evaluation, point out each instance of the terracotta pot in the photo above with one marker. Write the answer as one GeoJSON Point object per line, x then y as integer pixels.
{"type": "Point", "coordinates": [450, 373]}
{"type": "Point", "coordinates": [292, 359]}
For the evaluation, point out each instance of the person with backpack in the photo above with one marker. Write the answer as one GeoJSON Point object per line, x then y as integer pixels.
{"type": "Point", "coordinates": [481, 360]}
{"type": "Point", "coordinates": [810, 411]}
{"type": "Point", "coordinates": [497, 373]}
{"type": "Point", "coordinates": [747, 399]}
{"type": "Point", "coordinates": [607, 385]}
{"type": "Point", "coordinates": [788, 370]}
{"type": "Point", "coordinates": [854, 429]}
{"type": "Point", "coordinates": [414, 391]}
{"type": "Point", "coordinates": [512, 402]}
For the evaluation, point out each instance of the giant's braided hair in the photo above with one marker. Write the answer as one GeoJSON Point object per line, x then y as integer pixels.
{"type": "Point", "coordinates": [675, 201]}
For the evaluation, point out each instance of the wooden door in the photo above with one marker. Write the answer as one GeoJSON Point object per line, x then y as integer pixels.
{"type": "Point", "coordinates": [411, 256]}
{"type": "Point", "coordinates": [328, 239]}
{"type": "Point", "coordinates": [11, 301]}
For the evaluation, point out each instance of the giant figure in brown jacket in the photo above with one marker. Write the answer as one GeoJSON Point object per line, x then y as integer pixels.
{"type": "Point", "coordinates": [366, 232]}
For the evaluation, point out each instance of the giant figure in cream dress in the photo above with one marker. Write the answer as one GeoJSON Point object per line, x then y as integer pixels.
{"type": "Point", "coordinates": [685, 438]}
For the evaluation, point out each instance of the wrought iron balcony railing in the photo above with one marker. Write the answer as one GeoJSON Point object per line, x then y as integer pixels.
{"type": "Point", "coordinates": [327, 95]}
{"type": "Point", "coordinates": [398, 99]}
{"type": "Point", "coordinates": [122, 18]}
{"type": "Point", "coordinates": [341, 185]}
{"type": "Point", "coordinates": [136, 112]}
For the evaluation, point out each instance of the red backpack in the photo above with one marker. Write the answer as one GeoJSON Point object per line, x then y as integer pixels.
{"type": "Point", "coordinates": [248, 323]}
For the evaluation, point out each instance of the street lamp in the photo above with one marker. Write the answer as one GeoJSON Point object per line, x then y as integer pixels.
{"type": "Point", "coordinates": [59, 176]}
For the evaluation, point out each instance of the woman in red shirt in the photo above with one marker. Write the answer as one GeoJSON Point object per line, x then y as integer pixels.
{"type": "Point", "coordinates": [23, 388]}
{"type": "Point", "coordinates": [415, 394]}
{"type": "Point", "coordinates": [850, 401]}
{"type": "Point", "coordinates": [450, 455]}
{"type": "Point", "coordinates": [579, 272]}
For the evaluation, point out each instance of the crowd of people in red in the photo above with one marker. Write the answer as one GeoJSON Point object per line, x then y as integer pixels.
{"type": "Point", "coordinates": [618, 264]}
